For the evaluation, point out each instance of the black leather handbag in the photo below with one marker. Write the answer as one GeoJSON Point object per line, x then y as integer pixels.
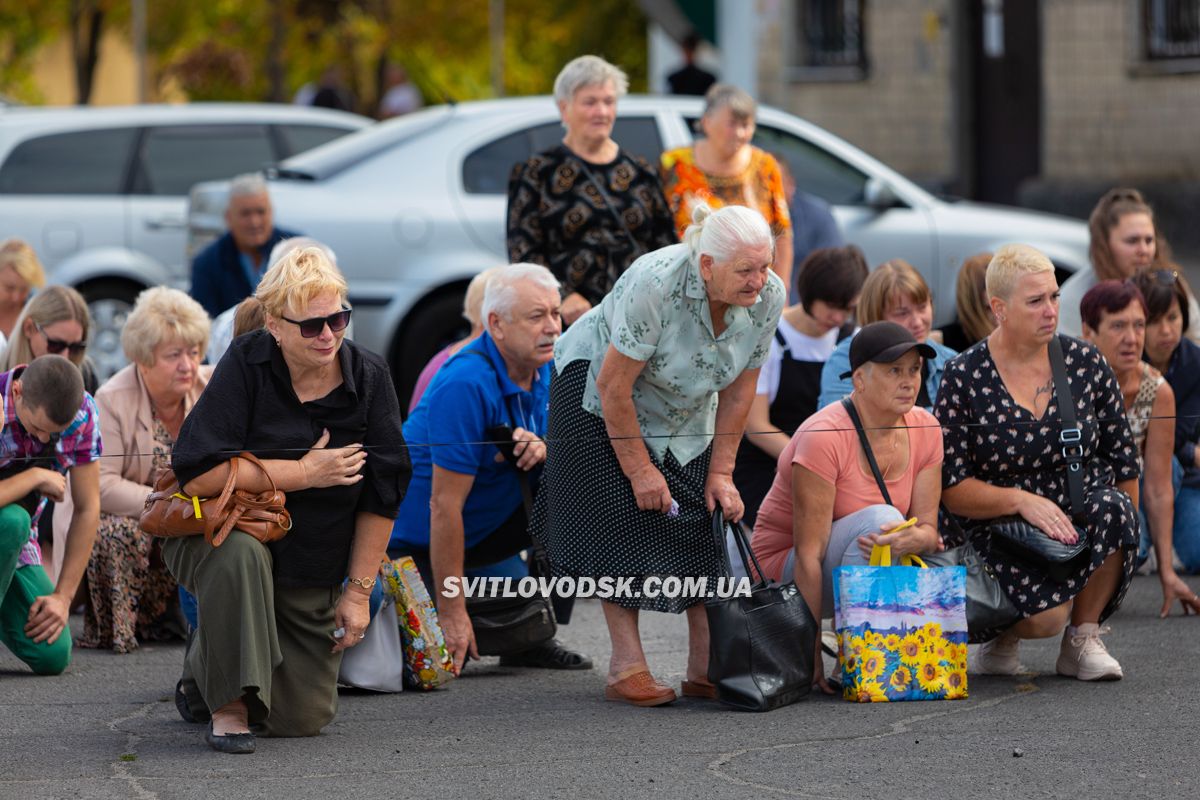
{"type": "Point", "coordinates": [988, 606]}
{"type": "Point", "coordinates": [761, 647]}
{"type": "Point", "coordinates": [1013, 537]}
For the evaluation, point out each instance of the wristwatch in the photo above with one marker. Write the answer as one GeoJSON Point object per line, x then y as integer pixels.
{"type": "Point", "coordinates": [365, 583]}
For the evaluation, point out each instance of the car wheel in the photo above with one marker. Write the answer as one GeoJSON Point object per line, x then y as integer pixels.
{"type": "Point", "coordinates": [435, 323]}
{"type": "Point", "coordinates": [109, 303]}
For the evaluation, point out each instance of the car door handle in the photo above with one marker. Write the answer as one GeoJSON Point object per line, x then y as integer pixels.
{"type": "Point", "coordinates": [167, 223]}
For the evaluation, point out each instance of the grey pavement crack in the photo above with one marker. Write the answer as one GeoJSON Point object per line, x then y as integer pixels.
{"type": "Point", "coordinates": [123, 770]}
{"type": "Point", "coordinates": [717, 765]}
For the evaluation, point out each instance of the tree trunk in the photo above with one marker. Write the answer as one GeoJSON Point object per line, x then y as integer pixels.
{"type": "Point", "coordinates": [87, 23]}
{"type": "Point", "coordinates": [275, 76]}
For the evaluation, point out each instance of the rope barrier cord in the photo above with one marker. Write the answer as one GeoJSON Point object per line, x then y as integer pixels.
{"type": "Point", "coordinates": [1015, 424]}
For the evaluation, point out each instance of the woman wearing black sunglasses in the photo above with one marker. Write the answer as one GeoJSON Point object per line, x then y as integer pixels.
{"type": "Point", "coordinates": [54, 322]}
{"type": "Point", "coordinates": [322, 415]}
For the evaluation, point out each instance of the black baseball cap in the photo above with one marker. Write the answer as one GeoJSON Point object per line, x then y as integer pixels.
{"type": "Point", "coordinates": [883, 343]}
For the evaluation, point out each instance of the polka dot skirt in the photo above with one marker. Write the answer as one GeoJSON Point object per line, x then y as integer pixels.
{"type": "Point", "coordinates": [588, 520]}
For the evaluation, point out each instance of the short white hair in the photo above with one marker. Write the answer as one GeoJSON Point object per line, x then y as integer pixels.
{"type": "Point", "coordinates": [285, 246]}
{"type": "Point", "coordinates": [250, 183]}
{"type": "Point", "coordinates": [500, 294]}
{"type": "Point", "coordinates": [726, 232]}
{"type": "Point", "coordinates": [588, 71]}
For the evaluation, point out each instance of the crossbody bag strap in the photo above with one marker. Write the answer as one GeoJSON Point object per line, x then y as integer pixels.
{"type": "Point", "coordinates": [1071, 435]}
{"type": "Point", "coordinates": [866, 446]}
{"type": "Point", "coordinates": [612, 207]}
{"type": "Point", "coordinates": [522, 475]}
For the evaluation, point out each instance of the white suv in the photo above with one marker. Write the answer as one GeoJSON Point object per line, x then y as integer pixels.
{"type": "Point", "coordinates": [416, 206]}
{"type": "Point", "coordinates": [101, 193]}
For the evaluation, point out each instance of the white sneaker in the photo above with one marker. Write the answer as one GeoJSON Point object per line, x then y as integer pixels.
{"type": "Point", "coordinates": [1083, 655]}
{"type": "Point", "coordinates": [1000, 656]}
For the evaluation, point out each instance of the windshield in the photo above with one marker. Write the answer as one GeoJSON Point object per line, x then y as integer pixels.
{"type": "Point", "coordinates": [347, 151]}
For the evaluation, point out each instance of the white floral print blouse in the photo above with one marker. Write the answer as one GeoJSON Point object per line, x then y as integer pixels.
{"type": "Point", "coordinates": [658, 312]}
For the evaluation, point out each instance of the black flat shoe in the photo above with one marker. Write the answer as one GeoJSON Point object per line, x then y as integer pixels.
{"type": "Point", "coordinates": [549, 655]}
{"type": "Point", "coordinates": [233, 743]}
{"type": "Point", "coordinates": [185, 711]}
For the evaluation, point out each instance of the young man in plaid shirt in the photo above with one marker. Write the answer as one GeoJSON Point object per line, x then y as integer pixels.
{"type": "Point", "coordinates": [51, 429]}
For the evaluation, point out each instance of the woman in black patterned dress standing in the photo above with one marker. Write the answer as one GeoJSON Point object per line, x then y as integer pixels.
{"type": "Point", "coordinates": [999, 412]}
{"type": "Point", "coordinates": [586, 209]}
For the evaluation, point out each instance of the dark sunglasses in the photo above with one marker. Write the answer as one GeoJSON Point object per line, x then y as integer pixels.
{"type": "Point", "coordinates": [57, 346]}
{"type": "Point", "coordinates": [311, 328]}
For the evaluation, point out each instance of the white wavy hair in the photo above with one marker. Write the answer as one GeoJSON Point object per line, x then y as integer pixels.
{"type": "Point", "coordinates": [500, 294]}
{"type": "Point", "coordinates": [724, 233]}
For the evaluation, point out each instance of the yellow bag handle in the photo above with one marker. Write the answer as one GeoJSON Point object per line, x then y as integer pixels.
{"type": "Point", "coordinates": [881, 556]}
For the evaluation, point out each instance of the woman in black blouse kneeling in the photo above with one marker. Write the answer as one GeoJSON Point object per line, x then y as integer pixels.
{"type": "Point", "coordinates": [322, 414]}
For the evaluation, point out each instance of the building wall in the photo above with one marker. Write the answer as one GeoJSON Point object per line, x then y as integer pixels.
{"type": "Point", "coordinates": [1101, 120]}
{"type": "Point", "coordinates": [903, 112]}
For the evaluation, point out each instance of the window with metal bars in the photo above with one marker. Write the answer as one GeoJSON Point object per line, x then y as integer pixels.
{"type": "Point", "coordinates": [829, 39]}
{"type": "Point", "coordinates": [1170, 29]}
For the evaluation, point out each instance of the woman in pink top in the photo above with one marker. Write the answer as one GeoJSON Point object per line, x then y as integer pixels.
{"type": "Point", "coordinates": [825, 508]}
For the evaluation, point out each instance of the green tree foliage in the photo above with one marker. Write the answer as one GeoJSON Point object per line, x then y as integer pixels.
{"type": "Point", "coordinates": [266, 49]}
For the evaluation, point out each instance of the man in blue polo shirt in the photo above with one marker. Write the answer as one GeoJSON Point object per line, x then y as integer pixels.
{"type": "Point", "coordinates": [463, 513]}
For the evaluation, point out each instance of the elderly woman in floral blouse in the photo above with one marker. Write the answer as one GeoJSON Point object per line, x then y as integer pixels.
{"type": "Point", "coordinates": [687, 326]}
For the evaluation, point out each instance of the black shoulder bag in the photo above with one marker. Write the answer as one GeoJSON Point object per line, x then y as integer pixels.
{"type": "Point", "coordinates": [760, 648]}
{"type": "Point", "coordinates": [505, 625]}
{"type": "Point", "coordinates": [1014, 537]}
{"type": "Point", "coordinates": [988, 607]}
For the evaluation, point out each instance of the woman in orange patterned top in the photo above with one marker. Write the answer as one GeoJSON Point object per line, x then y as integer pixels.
{"type": "Point", "coordinates": [724, 169]}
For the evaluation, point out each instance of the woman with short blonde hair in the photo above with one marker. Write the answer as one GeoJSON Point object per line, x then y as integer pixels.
{"type": "Point", "coordinates": [20, 274]}
{"type": "Point", "coordinates": [893, 292]}
{"type": "Point", "coordinates": [131, 595]}
{"type": "Point", "coordinates": [310, 403]}
{"type": "Point", "coordinates": [1004, 435]}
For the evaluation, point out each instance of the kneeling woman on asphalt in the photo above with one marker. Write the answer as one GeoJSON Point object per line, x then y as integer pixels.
{"type": "Point", "coordinates": [826, 507]}
{"type": "Point", "coordinates": [686, 326]}
{"type": "Point", "coordinates": [1001, 423]}
{"type": "Point", "coordinates": [265, 652]}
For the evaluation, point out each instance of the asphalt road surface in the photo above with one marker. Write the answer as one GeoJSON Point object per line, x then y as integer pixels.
{"type": "Point", "coordinates": [108, 729]}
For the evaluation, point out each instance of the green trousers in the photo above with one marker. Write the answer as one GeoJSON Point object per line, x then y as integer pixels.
{"type": "Point", "coordinates": [20, 586]}
{"type": "Point", "coordinates": [265, 643]}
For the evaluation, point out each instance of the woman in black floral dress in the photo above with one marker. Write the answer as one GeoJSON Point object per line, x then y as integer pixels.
{"type": "Point", "coordinates": [586, 209]}
{"type": "Point", "coordinates": [1000, 418]}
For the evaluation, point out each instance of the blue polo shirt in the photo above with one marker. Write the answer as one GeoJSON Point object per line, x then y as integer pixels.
{"type": "Point", "coordinates": [469, 394]}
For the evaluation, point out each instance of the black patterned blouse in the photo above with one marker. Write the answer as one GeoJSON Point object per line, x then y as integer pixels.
{"type": "Point", "coordinates": [989, 436]}
{"type": "Point", "coordinates": [558, 218]}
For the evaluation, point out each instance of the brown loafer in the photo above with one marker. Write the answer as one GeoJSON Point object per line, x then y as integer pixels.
{"type": "Point", "coordinates": [640, 689]}
{"type": "Point", "coordinates": [702, 689]}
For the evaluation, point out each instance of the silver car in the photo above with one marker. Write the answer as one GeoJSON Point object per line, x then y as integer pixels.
{"type": "Point", "coordinates": [416, 206]}
{"type": "Point", "coordinates": [101, 193]}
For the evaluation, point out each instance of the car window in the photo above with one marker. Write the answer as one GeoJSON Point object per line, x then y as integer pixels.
{"type": "Point", "coordinates": [173, 159]}
{"type": "Point", "coordinates": [816, 171]}
{"type": "Point", "coordinates": [486, 170]}
{"type": "Point", "coordinates": [80, 162]}
{"type": "Point", "coordinates": [298, 138]}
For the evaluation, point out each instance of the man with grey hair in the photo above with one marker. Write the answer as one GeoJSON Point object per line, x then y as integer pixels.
{"type": "Point", "coordinates": [463, 515]}
{"type": "Point", "coordinates": [228, 270]}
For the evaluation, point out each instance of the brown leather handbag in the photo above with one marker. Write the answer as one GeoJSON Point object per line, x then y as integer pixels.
{"type": "Point", "coordinates": [169, 512]}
